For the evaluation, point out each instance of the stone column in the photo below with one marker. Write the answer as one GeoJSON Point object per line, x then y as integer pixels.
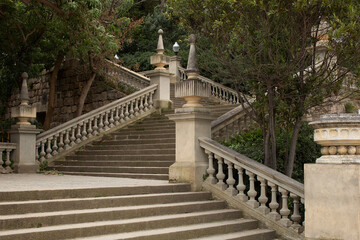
{"type": "Point", "coordinates": [332, 185]}
{"type": "Point", "coordinates": [24, 134]}
{"type": "Point", "coordinates": [192, 121]}
{"type": "Point", "coordinates": [161, 76]}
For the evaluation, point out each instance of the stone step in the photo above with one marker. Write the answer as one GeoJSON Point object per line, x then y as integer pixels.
{"type": "Point", "coordinates": [125, 226]}
{"type": "Point", "coordinates": [145, 136]}
{"type": "Point", "coordinates": [150, 125]}
{"type": "Point", "coordinates": [132, 131]}
{"type": "Point", "coordinates": [99, 201]}
{"type": "Point", "coordinates": [121, 175]}
{"type": "Point", "coordinates": [114, 169]}
{"type": "Point", "coordinates": [33, 220]}
{"type": "Point", "coordinates": [183, 232]}
{"type": "Point", "coordinates": [114, 163]}
{"type": "Point", "coordinates": [138, 141]}
{"type": "Point", "coordinates": [254, 234]}
{"type": "Point", "coordinates": [126, 152]}
{"type": "Point", "coordinates": [143, 157]}
{"type": "Point", "coordinates": [105, 146]}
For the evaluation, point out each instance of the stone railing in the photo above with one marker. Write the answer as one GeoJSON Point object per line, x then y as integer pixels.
{"type": "Point", "coordinates": [126, 76]}
{"type": "Point", "coordinates": [78, 131]}
{"type": "Point", "coordinates": [254, 188]}
{"type": "Point", "coordinates": [233, 122]}
{"type": "Point", "coordinates": [5, 160]}
{"type": "Point", "coordinates": [218, 90]}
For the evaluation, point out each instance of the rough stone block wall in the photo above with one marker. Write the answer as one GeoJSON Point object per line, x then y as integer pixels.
{"type": "Point", "coordinates": [70, 82]}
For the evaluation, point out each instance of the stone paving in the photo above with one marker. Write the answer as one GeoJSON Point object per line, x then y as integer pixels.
{"type": "Point", "coordinates": [24, 182]}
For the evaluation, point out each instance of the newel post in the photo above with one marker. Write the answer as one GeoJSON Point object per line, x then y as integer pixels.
{"type": "Point", "coordinates": [24, 134]}
{"type": "Point", "coordinates": [192, 121]}
{"type": "Point", "coordinates": [332, 185]}
{"type": "Point", "coordinates": [161, 76]}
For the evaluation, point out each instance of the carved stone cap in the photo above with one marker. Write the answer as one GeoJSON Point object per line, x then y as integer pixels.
{"type": "Point", "coordinates": [339, 136]}
{"type": "Point", "coordinates": [192, 69]}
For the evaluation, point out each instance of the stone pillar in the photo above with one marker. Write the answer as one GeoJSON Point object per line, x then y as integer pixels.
{"type": "Point", "coordinates": [192, 121]}
{"type": "Point", "coordinates": [173, 68]}
{"type": "Point", "coordinates": [332, 185]}
{"type": "Point", "coordinates": [161, 76]}
{"type": "Point", "coordinates": [24, 134]}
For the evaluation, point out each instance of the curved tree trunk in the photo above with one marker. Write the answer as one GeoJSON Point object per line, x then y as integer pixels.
{"type": "Point", "coordinates": [292, 150]}
{"type": "Point", "coordinates": [84, 93]}
{"type": "Point", "coordinates": [51, 104]}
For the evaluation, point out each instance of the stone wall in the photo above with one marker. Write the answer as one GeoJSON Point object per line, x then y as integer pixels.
{"type": "Point", "coordinates": [71, 79]}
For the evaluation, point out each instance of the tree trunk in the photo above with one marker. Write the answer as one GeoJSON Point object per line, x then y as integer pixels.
{"type": "Point", "coordinates": [271, 128]}
{"type": "Point", "coordinates": [267, 160]}
{"type": "Point", "coordinates": [84, 93]}
{"type": "Point", "coordinates": [292, 151]}
{"type": "Point", "coordinates": [51, 104]}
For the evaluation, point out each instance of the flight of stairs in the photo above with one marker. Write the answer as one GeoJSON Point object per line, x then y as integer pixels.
{"type": "Point", "coordinates": [143, 150]}
{"type": "Point", "coordinates": [159, 212]}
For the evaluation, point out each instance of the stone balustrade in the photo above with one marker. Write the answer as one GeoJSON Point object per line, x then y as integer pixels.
{"type": "Point", "coordinates": [75, 132]}
{"type": "Point", "coordinates": [126, 76]}
{"type": "Point", "coordinates": [217, 90]}
{"type": "Point", "coordinates": [233, 122]}
{"type": "Point", "coordinates": [5, 160]}
{"type": "Point", "coordinates": [256, 189]}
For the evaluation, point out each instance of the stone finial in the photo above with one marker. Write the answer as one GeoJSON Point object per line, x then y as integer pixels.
{"type": "Point", "coordinates": [160, 44]}
{"type": "Point", "coordinates": [192, 69]}
{"type": "Point", "coordinates": [24, 95]}
{"type": "Point", "coordinates": [160, 60]}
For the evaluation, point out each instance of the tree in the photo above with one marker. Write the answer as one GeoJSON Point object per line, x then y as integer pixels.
{"type": "Point", "coordinates": [270, 50]}
{"type": "Point", "coordinates": [40, 33]}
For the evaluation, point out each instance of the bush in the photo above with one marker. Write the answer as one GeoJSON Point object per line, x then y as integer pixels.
{"type": "Point", "coordinates": [251, 144]}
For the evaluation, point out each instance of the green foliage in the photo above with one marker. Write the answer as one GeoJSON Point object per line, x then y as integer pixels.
{"type": "Point", "coordinates": [350, 107]}
{"type": "Point", "coordinates": [251, 144]}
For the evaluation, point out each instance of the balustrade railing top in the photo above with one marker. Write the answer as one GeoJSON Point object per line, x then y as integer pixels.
{"type": "Point", "coordinates": [77, 130]}
{"type": "Point", "coordinates": [269, 179]}
{"type": "Point", "coordinates": [218, 90]}
{"type": "Point", "coordinates": [125, 75]}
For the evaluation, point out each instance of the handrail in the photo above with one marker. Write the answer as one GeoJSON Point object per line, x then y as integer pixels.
{"type": "Point", "coordinates": [77, 130]}
{"type": "Point", "coordinates": [5, 151]}
{"type": "Point", "coordinates": [218, 90]}
{"type": "Point", "coordinates": [270, 180]}
{"type": "Point", "coordinates": [128, 76]}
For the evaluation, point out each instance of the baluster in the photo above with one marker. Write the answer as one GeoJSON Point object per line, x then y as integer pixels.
{"type": "Point", "coordinates": [141, 107]}
{"type": "Point", "coordinates": [48, 149]}
{"type": "Point", "coordinates": [241, 186]}
{"type": "Point", "coordinates": [83, 133]}
{"type": "Point", "coordinates": [66, 141]}
{"type": "Point", "coordinates": [101, 123]}
{"type": "Point", "coordinates": [72, 137]}
{"type": "Point", "coordinates": [127, 111]}
{"type": "Point", "coordinates": [274, 204]}
{"type": "Point", "coordinates": [2, 169]}
{"type": "Point", "coordinates": [106, 122]}
{"type": "Point", "coordinates": [8, 161]}
{"type": "Point", "coordinates": [131, 109]}
{"type": "Point", "coordinates": [111, 121]}
{"type": "Point", "coordinates": [90, 130]}
{"type": "Point", "coordinates": [230, 181]}
{"type": "Point", "coordinates": [220, 176]}
{"type": "Point", "coordinates": [96, 128]}
{"type": "Point", "coordinates": [136, 110]}
{"type": "Point", "coordinates": [263, 199]}
{"type": "Point", "coordinates": [61, 142]}
{"type": "Point", "coordinates": [55, 145]}
{"type": "Point", "coordinates": [151, 100]}
{"type": "Point", "coordinates": [146, 105]}
{"type": "Point", "coordinates": [284, 211]}
{"type": "Point", "coordinates": [211, 170]}
{"type": "Point", "coordinates": [296, 215]}
{"type": "Point", "coordinates": [117, 118]}
{"type": "Point", "coordinates": [122, 114]}
{"type": "Point", "coordinates": [252, 192]}
{"type": "Point", "coordinates": [37, 152]}
{"type": "Point", "coordinates": [213, 92]}
{"type": "Point", "coordinates": [42, 152]}
{"type": "Point", "coordinates": [78, 133]}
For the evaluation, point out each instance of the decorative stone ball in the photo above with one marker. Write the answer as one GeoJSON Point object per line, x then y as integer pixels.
{"type": "Point", "coordinates": [358, 150]}
{"type": "Point", "coordinates": [332, 150]}
{"type": "Point", "coordinates": [160, 31]}
{"type": "Point", "coordinates": [325, 151]}
{"type": "Point", "coordinates": [24, 75]}
{"type": "Point", "coordinates": [342, 150]}
{"type": "Point", "coordinates": [351, 150]}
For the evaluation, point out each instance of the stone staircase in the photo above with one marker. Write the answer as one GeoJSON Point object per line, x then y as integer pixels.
{"type": "Point", "coordinates": [166, 211]}
{"type": "Point", "coordinates": [143, 150]}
